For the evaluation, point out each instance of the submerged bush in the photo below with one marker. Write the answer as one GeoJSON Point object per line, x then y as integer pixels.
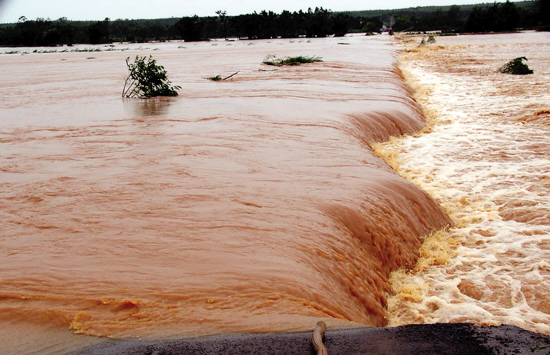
{"type": "Point", "coordinates": [147, 79]}
{"type": "Point", "coordinates": [219, 77]}
{"type": "Point", "coordinates": [273, 60]}
{"type": "Point", "coordinates": [430, 39]}
{"type": "Point", "coordinates": [516, 67]}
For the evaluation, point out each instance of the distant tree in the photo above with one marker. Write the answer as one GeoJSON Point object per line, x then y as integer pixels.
{"type": "Point", "coordinates": [476, 20]}
{"type": "Point", "coordinates": [247, 25]}
{"type": "Point", "coordinates": [372, 24]}
{"type": "Point", "coordinates": [453, 13]}
{"type": "Point", "coordinates": [406, 23]}
{"type": "Point", "coordinates": [190, 28]}
{"type": "Point", "coordinates": [223, 21]}
{"type": "Point", "coordinates": [340, 24]}
{"type": "Point", "coordinates": [453, 17]}
{"type": "Point", "coordinates": [268, 24]}
{"type": "Point", "coordinates": [318, 23]}
{"type": "Point", "coordinates": [498, 17]}
{"type": "Point", "coordinates": [50, 37]}
{"type": "Point", "coordinates": [99, 32]}
{"type": "Point", "coordinates": [286, 25]}
{"type": "Point", "coordinates": [507, 17]}
{"type": "Point", "coordinates": [544, 11]}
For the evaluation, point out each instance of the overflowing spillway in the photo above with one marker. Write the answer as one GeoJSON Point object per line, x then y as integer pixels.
{"type": "Point", "coordinates": [254, 204]}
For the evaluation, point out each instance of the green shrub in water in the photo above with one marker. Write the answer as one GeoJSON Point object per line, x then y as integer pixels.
{"type": "Point", "coordinates": [516, 67]}
{"type": "Point", "coordinates": [430, 39]}
{"type": "Point", "coordinates": [219, 77]}
{"type": "Point", "coordinates": [147, 79]}
{"type": "Point", "coordinates": [273, 60]}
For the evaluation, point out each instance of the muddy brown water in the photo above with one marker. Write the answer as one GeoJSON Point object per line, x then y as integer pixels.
{"type": "Point", "coordinates": [251, 205]}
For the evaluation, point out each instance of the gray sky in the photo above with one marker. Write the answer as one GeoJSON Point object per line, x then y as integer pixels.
{"type": "Point", "coordinates": [11, 10]}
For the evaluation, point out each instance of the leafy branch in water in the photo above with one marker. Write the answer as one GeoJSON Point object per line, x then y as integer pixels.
{"type": "Point", "coordinates": [219, 78]}
{"type": "Point", "coordinates": [516, 67]}
{"type": "Point", "coordinates": [273, 60]}
{"type": "Point", "coordinates": [147, 79]}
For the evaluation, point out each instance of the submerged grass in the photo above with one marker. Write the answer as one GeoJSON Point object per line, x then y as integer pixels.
{"type": "Point", "coordinates": [220, 78]}
{"type": "Point", "coordinates": [65, 50]}
{"type": "Point", "coordinates": [273, 60]}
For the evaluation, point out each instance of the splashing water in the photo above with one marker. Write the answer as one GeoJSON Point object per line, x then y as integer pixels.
{"type": "Point", "coordinates": [486, 159]}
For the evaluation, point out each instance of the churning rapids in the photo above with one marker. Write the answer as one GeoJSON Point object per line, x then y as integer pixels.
{"type": "Point", "coordinates": [486, 158]}
{"type": "Point", "coordinates": [250, 205]}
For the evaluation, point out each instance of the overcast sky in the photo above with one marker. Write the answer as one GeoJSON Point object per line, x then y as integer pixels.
{"type": "Point", "coordinates": [12, 10]}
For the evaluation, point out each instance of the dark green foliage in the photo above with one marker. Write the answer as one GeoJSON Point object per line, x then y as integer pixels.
{"type": "Point", "coordinates": [37, 33]}
{"type": "Point", "coordinates": [191, 28]}
{"type": "Point", "coordinates": [372, 24]}
{"type": "Point", "coordinates": [449, 19]}
{"type": "Point", "coordinates": [516, 67]}
{"type": "Point", "coordinates": [265, 24]}
{"type": "Point", "coordinates": [99, 32]}
{"type": "Point", "coordinates": [453, 16]}
{"type": "Point", "coordinates": [273, 60]}
{"type": "Point", "coordinates": [287, 25]}
{"type": "Point", "coordinates": [498, 18]}
{"type": "Point", "coordinates": [544, 8]}
{"type": "Point", "coordinates": [147, 79]}
{"type": "Point", "coordinates": [316, 22]}
{"type": "Point", "coordinates": [53, 33]}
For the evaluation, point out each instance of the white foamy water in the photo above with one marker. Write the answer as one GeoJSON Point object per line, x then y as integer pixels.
{"type": "Point", "coordinates": [486, 159]}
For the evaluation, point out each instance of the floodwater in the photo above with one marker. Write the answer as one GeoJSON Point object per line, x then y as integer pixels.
{"type": "Point", "coordinates": [486, 158]}
{"type": "Point", "coordinates": [249, 205]}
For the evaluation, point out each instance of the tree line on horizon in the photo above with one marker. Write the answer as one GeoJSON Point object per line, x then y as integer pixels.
{"type": "Point", "coordinates": [316, 22]}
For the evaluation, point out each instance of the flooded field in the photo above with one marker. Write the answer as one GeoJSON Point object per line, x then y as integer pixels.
{"type": "Point", "coordinates": [250, 205]}
{"type": "Point", "coordinates": [486, 158]}
{"type": "Point", "coordinates": [270, 201]}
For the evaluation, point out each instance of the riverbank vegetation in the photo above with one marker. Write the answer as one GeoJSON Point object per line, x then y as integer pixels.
{"type": "Point", "coordinates": [316, 22]}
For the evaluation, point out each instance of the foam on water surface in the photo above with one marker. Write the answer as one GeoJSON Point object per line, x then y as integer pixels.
{"type": "Point", "coordinates": [486, 159]}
